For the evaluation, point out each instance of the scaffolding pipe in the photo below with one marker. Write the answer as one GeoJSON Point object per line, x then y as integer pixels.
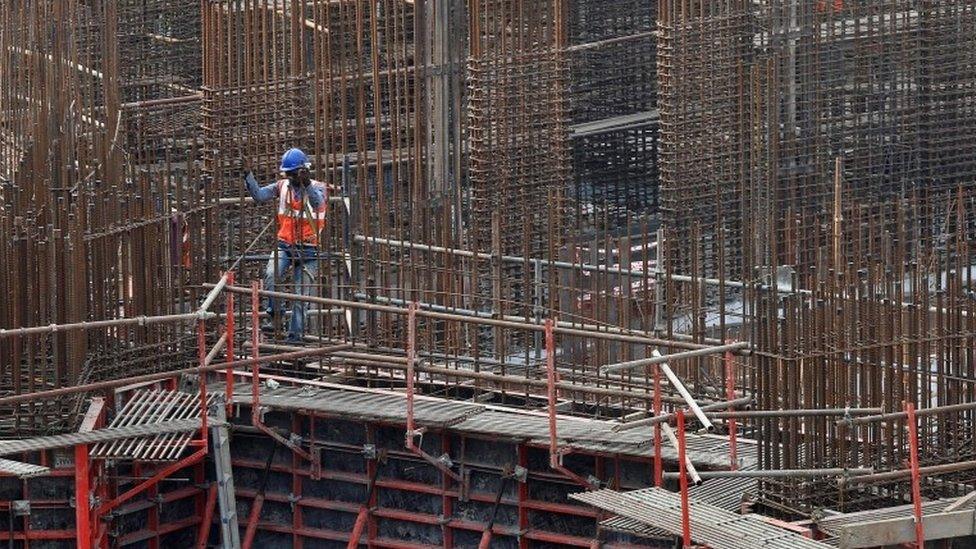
{"type": "Point", "coordinates": [412, 431]}
{"type": "Point", "coordinates": [112, 323]}
{"type": "Point", "coordinates": [916, 475]}
{"type": "Point", "coordinates": [159, 376]}
{"type": "Point", "coordinates": [256, 384]}
{"type": "Point", "coordinates": [364, 297]}
{"type": "Point", "coordinates": [658, 458]}
{"type": "Point", "coordinates": [907, 473]}
{"type": "Point", "coordinates": [229, 335]}
{"type": "Point", "coordinates": [683, 391]}
{"type": "Point", "coordinates": [657, 419]}
{"type": "Point", "coordinates": [400, 362]}
{"type": "Point", "coordinates": [535, 326]}
{"type": "Point", "coordinates": [732, 426]}
{"type": "Point", "coordinates": [555, 455]}
{"type": "Point", "coordinates": [504, 258]}
{"type": "Point", "coordinates": [683, 483]}
{"type": "Point", "coordinates": [922, 412]}
{"type": "Point", "coordinates": [778, 473]}
{"type": "Point", "coordinates": [805, 412]}
{"type": "Point", "coordinates": [659, 359]}
{"type": "Point", "coordinates": [676, 442]}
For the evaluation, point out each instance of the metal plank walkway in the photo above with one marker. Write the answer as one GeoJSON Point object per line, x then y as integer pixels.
{"type": "Point", "coordinates": [8, 447]}
{"type": "Point", "coordinates": [151, 407]}
{"type": "Point", "coordinates": [491, 421]}
{"type": "Point", "coordinates": [710, 525]}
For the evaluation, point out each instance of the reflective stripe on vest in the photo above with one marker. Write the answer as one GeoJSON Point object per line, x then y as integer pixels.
{"type": "Point", "coordinates": [291, 215]}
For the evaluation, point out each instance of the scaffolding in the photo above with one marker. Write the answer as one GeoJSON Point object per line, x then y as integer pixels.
{"type": "Point", "coordinates": [558, 226]}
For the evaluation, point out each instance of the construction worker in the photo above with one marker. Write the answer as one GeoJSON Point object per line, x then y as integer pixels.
{"type": "Point", "coordinates": [302, 204]}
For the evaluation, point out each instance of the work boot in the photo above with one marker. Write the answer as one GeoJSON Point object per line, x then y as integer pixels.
{"type": "Point", "coordinates": [294, 340]}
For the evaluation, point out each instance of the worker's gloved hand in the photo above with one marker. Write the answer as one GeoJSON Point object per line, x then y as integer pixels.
{"type": "Point", "coordinates": [304, 177]}
{"type": "Point", "coordinates": [249, 180]}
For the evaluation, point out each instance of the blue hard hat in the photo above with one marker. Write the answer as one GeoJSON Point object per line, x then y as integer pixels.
{"type": "Point", "coordinates": [294, 159]}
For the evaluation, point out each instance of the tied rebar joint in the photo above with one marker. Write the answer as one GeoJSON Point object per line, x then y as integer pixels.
{"type": "Point", "coordinates": [369, 451]}
{"type": "Point", "coordinates": [292, 500]}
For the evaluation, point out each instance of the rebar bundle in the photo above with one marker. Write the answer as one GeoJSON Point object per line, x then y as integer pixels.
{"type": "Point", "coordinates": [517, 123]}
{"type": "Point", "coordinates": [613, 111]}
{"type": "Point", "coordinates": [86, 233]}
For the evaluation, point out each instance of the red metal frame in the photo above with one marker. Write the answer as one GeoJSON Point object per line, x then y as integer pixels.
{"type": "Point", "coordinates": [256, 380]}
{"type": "Point", "coordinates": [252, 521]}
{"type": "Point", "coordinates": [916, 475]}
{"type": "Point", "coordinates": [730, 396]}
{"type": "Point", "coordinates": [208, 512]}
{"type": "Point", "coordinates": [229, 330]}
{"type": "Point", "coordinates": [202, 358]}
{"type": "Point", "coordinates": [524, 532]}
{"type": "Point", "coordinates": [84, 476]}
{"type": "Point", "coordinates": [152, 481]}
{"type": "Point", "coordinates": [555, 454]}
{"type": "Point", "coordinates": [683, 483]}
{"type": "Point", "coordinates": [83, 522]}
{"type": "Point", "coordinates": [658, 459]}
{"type": "Point", "coordinates": [412, 431]}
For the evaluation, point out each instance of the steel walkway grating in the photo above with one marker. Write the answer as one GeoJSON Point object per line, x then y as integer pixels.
{"type": "Point", "coordinates": [710, 525]}
{"type": "Point", "coordinates": [147, 408]}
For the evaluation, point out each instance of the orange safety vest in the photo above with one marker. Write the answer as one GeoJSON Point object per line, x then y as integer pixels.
{"type": "Point", "coordinates": [296, 215]}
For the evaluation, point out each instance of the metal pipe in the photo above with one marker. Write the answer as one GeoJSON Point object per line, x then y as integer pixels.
{"type": "Point", "coordinates": [907, 473]}
{"type": "Point", "coordinates": [504, 258]}
{"type": "Point", "coordinates": [218, 346]}
{"type": "Point", "coordinates": [555, 455]}
{"type": "Point", "coordinates": [157, 376]}
{"type": "Point", "coordinates": [658, 458]}
{"type": "Point", "coordinates": [683, 391]}
{"type": "Point", "coordinates": [916, 475]}
{"type": "Point", "coordinates": [658, 359]}
{"type": "Point", "coordinates": [558, 323]}
{"type": "Point", "coordinates": [229, 334]}
{"type": "Point", "coordinates": [732, 426]}
{"type": "Point", "coordinates": [657, 419]}
{"type": "Point", "coordinates": [523, 325]}
{"type": "Point", "coordinates": [818, 412]}
{"type": "Point", "coordinates": [610, 41]}
{"type": "Point", "coordinates": [212, 296]}
{"type": "Point", "coordinates": [683, 483]}
{"type": "Point", "coordinates": [683, 458]}
{"type": "Point", "coordinates": [922, 412]}
{"type": "Point", "coordinates": [95, 324]}
{"type": "Point", "coordinates": [168, 101]}
{"type": "Point", "coordinates": [778, 473]}
{"type": "Point", "coordinates": [411, 342]}
{"type": "Point", "coordinates": [208, 510]}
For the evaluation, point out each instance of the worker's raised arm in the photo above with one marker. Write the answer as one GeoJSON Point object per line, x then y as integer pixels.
{"type": "Point", "coordinates": [258, 193]}
{"type": "Point", "coordinates": [316, 195]}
